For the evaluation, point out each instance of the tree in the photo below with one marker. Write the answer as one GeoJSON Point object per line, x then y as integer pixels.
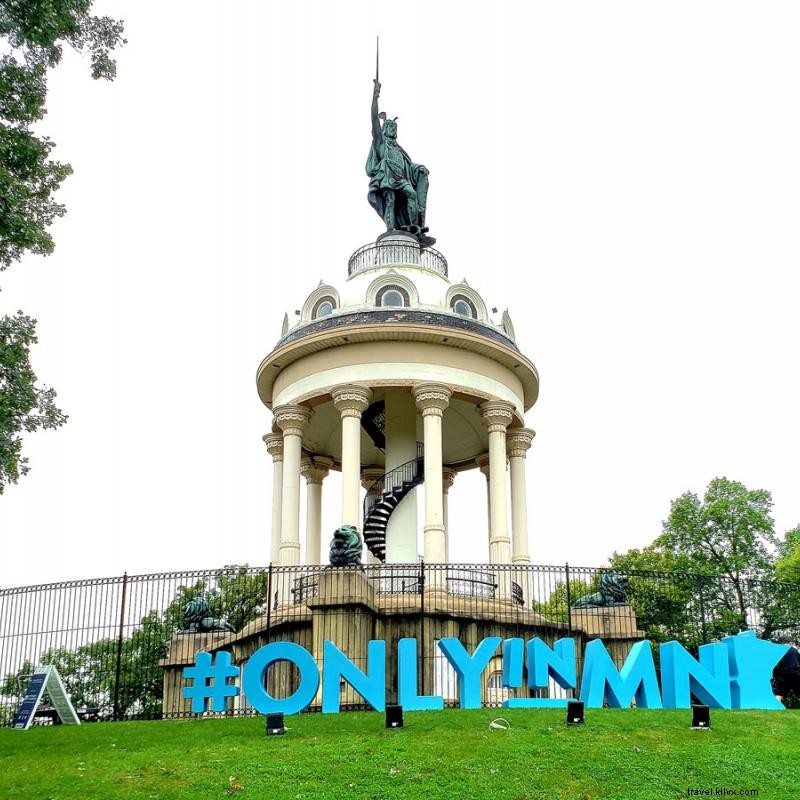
{"type": "Point", "coordinates": [24, 406]}
{"type": "Point", "coordinates": [33, 34]}
{"type": "Point", "coordinates": [89, 671]}
{"type": "Point", "coordinates": [788, 564]}
{"type": "Point", "coordinates": [555, 607]}
{"type": "Point", "coordinates": [712, 571]}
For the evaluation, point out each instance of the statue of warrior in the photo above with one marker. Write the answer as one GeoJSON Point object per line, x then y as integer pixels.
{"type": "Point", "coordinates": [398, 188]}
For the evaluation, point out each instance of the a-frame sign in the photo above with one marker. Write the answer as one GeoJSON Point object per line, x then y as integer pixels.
{"type": "Point", "coordinates": [45, 679]}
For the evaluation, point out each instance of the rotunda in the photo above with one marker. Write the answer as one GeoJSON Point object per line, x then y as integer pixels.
{"type": "Point", "coordinates": [399, 378]}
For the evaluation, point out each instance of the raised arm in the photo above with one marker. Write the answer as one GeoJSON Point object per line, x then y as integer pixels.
{"type": "Point", "coordinates": [376, 124]}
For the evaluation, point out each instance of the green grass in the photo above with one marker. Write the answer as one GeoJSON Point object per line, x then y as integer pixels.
{"type": "Point", "coordinates": [451, 754]}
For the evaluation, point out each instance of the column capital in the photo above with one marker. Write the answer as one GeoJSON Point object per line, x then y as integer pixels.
{"type": "Point", "coordinates": [274, 443]}
{"type": "Point", "coordinates": [371, 474]}
{"type": "Point", "coordinates": [351, 400]}
{"type": "Point", "coordinates": [448, 476]}
{"type": "Point", "coordinates": [292, 419]}
{"type": "Point", "coordinates": [432, 398]}
{"type": "Point", "coordinates": [497, 415]}
{"type": "Point", "coordinates": [483, 464]}
{"type": "Point", "coordinates": [316, 470]}
{"type": "Point", "coordinates": [519, 441]}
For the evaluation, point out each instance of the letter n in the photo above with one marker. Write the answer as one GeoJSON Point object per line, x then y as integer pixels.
{"type": "Point", "coordinates": [707, 679]}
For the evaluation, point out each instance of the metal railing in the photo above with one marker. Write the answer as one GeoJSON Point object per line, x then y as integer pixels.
{"type": "Point", "coordinates": [410, 472]}
{"type": "Point", "coordinates": [396, 254]}
{"type": "Point", "coordinates": [121, 644]}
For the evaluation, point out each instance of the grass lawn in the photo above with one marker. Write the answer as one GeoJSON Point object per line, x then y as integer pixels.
{"type": "Point", "coordinates": [450, 754]}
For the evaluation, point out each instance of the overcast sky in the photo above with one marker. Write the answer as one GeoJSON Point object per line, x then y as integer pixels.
{"type": "Point", "coordinates": [622, 176]}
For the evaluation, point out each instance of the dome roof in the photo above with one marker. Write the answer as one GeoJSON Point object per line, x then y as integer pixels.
{"type": "Point", "coordinates": [393, 280]}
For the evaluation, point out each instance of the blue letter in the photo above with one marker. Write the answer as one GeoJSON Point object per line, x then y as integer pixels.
{"type": "Point", "coordinates": [601, 680]}
{"type": "Point", "coordinates": [255, 674]}
{"type": "Point", "coordinates": [513, 650]}
{"type": "Point", "coordinates": [469, 668]}
{"type": "Point", "coordinates": [542, 664]}
{"type": "Point", "coordinates": [708, 680]}
{"type": "Point", "coordinates": [407, 680]}
{"type": "Point", "coordinates": [751, 662]}
{"type": "Point", "coordinates": [336, 665]}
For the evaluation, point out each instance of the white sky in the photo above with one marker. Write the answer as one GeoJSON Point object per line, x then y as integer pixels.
{"type": "Point", "coordinates": [623, 176]}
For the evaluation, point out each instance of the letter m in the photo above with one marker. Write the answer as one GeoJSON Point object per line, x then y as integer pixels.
{"type": "Point", "coordinates": [636, 680]}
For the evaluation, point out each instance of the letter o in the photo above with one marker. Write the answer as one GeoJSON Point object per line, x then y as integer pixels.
{"type": "Point", "coordinates": [255, 672]}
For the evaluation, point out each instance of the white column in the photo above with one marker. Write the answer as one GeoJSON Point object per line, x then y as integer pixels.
{"type": "Point", "coordinates": [432, 399]}
{"type": "Point", "coordinates": [497, 415]}
{"type": "Point", "coordinates": [448, 476]}
{"type": "Point", "coordinates": [291, 420]}
{"type": "Point", "coordinates": [483, 465]}
{"type": "Point", "coordinates": [351, 401]}
{"type": "Point", "coordinates": [518, 442]}
{"type": "Point", "coordinates": [274, 443]}
{"type": "Point", "coordinates": [314, 472]}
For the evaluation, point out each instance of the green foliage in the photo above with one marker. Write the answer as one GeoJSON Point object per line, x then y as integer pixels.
{"type": "Point", "coordinates": [787, 566]}
{"type": "Point", "coordinates": [89, 672]}
{"type": "Point", "coordinates": [555, 607]}
{"type": "Point", "coordinates": [24, 406]}
{"type": "Point", "coordinates": [35, 32]}
{"type": "Point", "coordinates": [721, 553]}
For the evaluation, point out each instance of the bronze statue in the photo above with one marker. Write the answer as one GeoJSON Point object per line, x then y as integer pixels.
{"type": "Point", "coordinates": [613, 591]}
{"type": "Point", "coordinates": [346, 547]}
{"type": "Point", "coordinates": [197, 618]}
{"type": "Point", "coordinates": [398, 188]}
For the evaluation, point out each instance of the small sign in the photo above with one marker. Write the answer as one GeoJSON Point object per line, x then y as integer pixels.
{"type": "Point", "coordinates": [45, 679]}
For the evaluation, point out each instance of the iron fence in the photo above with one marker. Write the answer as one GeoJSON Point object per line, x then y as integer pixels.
{"type": "Point", "coordinates": [120, 644]}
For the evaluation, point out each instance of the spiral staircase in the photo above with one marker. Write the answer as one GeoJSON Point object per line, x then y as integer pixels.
{"type": "Point", "coordinates": [384, 495]}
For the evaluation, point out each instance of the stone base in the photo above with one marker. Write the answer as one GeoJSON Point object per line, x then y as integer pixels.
{"type": "Point", "coordinates": [609, 622]}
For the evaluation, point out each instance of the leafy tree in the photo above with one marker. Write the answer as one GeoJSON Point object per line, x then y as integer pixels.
{"type": "Point", "coordinates": [664, 598]}
{"type": "Point", "coordinates": [730, 533]}
{"type": "Point", "coordinates": [89, 671]}
{"type": "Point", "coordinates": [555, 607]}
{"type": "Point", "coordinates": [788, 564]}
{"type": "Point", "coordinates": [24, 406]}
{"type": "Point", "coordinates": [33, 34]}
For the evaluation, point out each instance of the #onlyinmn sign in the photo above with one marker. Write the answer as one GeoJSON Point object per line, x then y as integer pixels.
{"type": "Point", "coordinates": [733, 673]}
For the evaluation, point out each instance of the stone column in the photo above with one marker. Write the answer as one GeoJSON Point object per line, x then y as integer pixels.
{"type": "Point", "coordinates": [497, 415]}
{"type": "Point", "coordinates": [291, 420]}
{"type": "Point", "coordinates": [518, 442]}
{"type": "Point", "coordinates": [351, 401]}
{"type": "Point", "coordinates": [314, 471]}
{"type": "Point", "coordinates": [274, 443]}
{"type": "Point", "coordinates": [483, 465]}
{"type": "Point", "coordinates": [448, 476]}
{"type": "Point", "coordinates": [432, 399]}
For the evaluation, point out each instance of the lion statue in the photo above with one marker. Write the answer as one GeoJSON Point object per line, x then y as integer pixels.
{"type": "Point", "coordinates": [613, 591]}
{"type": "Point", "coordinates": [197, 618]}
{"type": "Point", "coordinates": [346, 547]}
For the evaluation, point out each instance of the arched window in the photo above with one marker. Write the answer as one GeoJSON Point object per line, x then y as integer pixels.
{"type": "Point", "coordinates": [323, 307]}
{"type": "Point", "coordinates": [463, 306]}
{"type": "Point", "coordinates": [392, 297]}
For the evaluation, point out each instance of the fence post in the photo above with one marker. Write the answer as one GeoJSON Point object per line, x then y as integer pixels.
{"type": "Point", "coordinates": [569, 600]}
{"type": "Point", "coordinates": [119, 642]}
{"type": "Point", "coordinates": [269, 602]}
{"type": "Point", "coordinates": [702, 609]}
{"type": "Point", "coordinates": [422, 623]}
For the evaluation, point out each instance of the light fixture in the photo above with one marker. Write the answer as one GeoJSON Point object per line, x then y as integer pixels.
{"type": "Point", "coordinates": [701, 718]}
{"type": "Point", "coordinates": [394, 716]}
{"type": "Point", "coordinates": [275, 724]}
{"type": "Point", "coordinates": [574, 712]}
